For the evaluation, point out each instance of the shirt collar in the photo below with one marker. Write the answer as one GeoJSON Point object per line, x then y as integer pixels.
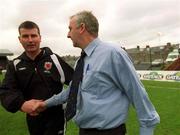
{"type": "Point", "coordinates": [91, 46]}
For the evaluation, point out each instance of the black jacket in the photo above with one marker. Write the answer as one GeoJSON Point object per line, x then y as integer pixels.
{"type": "Point", "coordinates": [32, 79]}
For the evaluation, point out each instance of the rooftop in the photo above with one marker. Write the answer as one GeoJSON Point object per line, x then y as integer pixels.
{"type": "Point", "coordinates": [5, 52]}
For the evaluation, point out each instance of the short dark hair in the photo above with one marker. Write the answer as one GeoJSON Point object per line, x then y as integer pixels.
{"type": "Point", "coordinates": [29, 25]}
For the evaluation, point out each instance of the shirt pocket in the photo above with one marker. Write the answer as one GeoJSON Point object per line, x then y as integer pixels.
{"type": "Point", "coordinates": [89, 82]}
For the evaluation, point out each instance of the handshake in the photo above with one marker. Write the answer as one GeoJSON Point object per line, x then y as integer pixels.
{"type": "Point", "coordinates": [33, 107]}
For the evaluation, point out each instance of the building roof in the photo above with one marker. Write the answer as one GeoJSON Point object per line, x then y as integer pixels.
{"type": "Point", "coordinates": [5, 52]}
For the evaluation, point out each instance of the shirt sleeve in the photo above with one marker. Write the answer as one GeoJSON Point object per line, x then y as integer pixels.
{"type": "Point", "coordinates": [58, 99]}
{"type": "Point", "coordinates": [147, 130]}
{"type": "Point", "coordinates": [128, 81]}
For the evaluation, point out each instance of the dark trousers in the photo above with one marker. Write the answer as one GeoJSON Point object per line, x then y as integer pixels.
{"type": "Point", "coordinates": [50, 122]}
{"type": "Point", "coordinates": [121, 130]}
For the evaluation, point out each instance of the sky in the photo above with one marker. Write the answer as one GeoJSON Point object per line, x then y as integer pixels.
{"type": "Point", "coordinates": [128, 23]}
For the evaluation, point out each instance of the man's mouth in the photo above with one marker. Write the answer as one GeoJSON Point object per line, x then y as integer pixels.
{"type": "Point", "coordinates": [30, 45]}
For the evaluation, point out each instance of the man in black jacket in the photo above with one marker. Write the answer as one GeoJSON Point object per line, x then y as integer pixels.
{"type": "Point", "coordinates": [35, 76]}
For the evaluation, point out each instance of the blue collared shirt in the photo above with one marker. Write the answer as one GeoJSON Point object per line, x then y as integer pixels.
{"type": "Point", "coordinates": [110, 84]}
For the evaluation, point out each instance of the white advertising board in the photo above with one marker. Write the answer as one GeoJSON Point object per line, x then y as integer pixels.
{"type": "Point", "coordinates": [159, 75]}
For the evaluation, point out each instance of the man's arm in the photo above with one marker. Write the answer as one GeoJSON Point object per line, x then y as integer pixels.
{"type": "Point", "coordinates": [68, 70]}
{"type": "Point", "coordinates": [128, 80]}
{"type": "Point", "coordinates": [11, 97]}
{"type": "Point", "coordinates": [60, 98]}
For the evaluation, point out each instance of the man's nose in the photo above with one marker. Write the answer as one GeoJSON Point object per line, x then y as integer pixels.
{"type": "Point", "coordinates": [29, 38]}
{"type": "Point", "coordinates": [68, 35]}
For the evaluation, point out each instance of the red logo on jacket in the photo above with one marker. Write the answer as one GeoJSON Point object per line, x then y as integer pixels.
{"type": "Point", "coordinates": [48, 65]}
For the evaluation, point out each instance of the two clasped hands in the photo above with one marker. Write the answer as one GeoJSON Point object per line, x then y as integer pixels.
{"type": "Point", "coordinates": [33, 107]}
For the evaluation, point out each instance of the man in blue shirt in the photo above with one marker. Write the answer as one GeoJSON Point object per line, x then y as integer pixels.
{"type": "Point", "coordinates": [109, 85]}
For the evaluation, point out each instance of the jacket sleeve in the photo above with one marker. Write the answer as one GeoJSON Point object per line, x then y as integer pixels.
{"type": "Point", "coordinates": [11, 97]}
{"type": "Point", "coordinates": [68, 70]}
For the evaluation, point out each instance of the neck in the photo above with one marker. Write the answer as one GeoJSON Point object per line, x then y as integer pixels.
{"type": "Point", "coordinates": [32, 55]}
{"type": "Point", "coordinates": [86, 41]}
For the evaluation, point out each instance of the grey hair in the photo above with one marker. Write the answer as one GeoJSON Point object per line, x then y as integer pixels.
{"type": "Point", "coordinates": [90, 21]}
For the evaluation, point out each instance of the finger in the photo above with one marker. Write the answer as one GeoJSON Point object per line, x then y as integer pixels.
{"type": "Point", "coordinates": [34, 113]}
{"type": "Point", "coordinates": [35, 107]}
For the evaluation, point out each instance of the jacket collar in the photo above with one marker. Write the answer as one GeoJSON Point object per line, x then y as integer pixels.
{"type": "Point", "coordinates": [45, 51]}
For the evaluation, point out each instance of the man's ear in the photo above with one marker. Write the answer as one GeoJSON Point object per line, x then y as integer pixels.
{"type": "Point", "coordinates": [82, 28]}
{"type": "Point", "coordinates": [40, 38]}
{"type": "Point", "coordinates": [19, 38]}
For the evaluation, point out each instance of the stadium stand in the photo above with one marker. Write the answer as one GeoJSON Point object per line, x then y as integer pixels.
{"type": "Point", "coordinates": [3, 58]}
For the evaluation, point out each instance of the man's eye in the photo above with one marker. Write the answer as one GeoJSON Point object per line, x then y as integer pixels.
{"type": "Point", "coordinates": [25, 36]}
{"type": "Point", "coordinates": [33, 36]}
